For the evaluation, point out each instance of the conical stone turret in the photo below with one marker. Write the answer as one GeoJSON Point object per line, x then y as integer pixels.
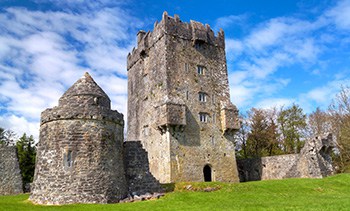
{"type": "Point", "coordinates": [80, 151]}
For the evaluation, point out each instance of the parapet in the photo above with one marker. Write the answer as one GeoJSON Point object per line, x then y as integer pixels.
{"type": "Point", "coordinates": [173, 26]}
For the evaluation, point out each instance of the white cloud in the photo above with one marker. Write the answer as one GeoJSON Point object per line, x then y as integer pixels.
{"type": "Point", "coordinates": [20, 125]}
{"type": "Point", "coordinates": [230, 20]}
{"type": "Point", "coordinates": [42, 53]}
{"type": "Point", "coordinates": [340, 14]}
{"type": "Point", "coordinates": [257, 67]}
{"type": "Point", "coordinates": [274, 102]}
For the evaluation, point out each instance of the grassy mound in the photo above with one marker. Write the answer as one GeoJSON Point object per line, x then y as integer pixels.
{"type": "Point", "coordinates": [332, 193]}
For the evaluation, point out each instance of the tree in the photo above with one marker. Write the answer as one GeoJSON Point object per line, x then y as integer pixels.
{"type": "Point", "coordinates": [26, 156]}
{"type": "Point", "coordinates": [318, 123]}
{"type": "Point", "coordinates": [273, 147]}
{"type": "Point", "coordinates": [241, 138]}
{"type": "Point", "coordinates": [339, 112]}
{"type": "Point", "coordinates": [292, 122]}
{"type": "Point", "coordinates": [258, 137]}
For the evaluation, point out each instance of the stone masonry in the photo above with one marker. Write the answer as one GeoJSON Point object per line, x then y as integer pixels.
{"type": "Point", "coordinates": [179, 105]}
{"type": "Point", "coordinates": [80, 151]}
{"type": "Point", "coordinates": [10, 174]}
{"type": "Point", "coordinates": [181, 127]}
{"type": "Point", "coordinates": [313, 161]}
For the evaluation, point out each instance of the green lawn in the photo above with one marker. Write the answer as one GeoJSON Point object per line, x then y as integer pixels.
{"type": "Point", "coordinates": [332, 193]}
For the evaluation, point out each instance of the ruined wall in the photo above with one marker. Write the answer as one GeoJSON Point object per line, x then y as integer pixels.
{"type": "Point", "coordinates": [10, 174]}
{"type": "Point", "coordinates": [313, 161]}
{"type": "Point", "coordinates": [164, 107]}
{"type": "Point", "coordinates": [80, 151]}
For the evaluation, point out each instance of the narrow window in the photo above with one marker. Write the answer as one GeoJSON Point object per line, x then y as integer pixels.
{"type": "Point", "coordinates": [146, 130]}
{"type": "Point", "coordinates": [68, 159]}
{"type": "Point", "coordinates": [187, 95]}
{"type": "Point", "coordinates": [200, 70]}
{"type": "Point", "coordinates": [202, 97]}
{"type": "Point", "coordinates": [213, 99]}
{"type": "Point", "coordinates": [186, 67]}
{"type": "Point", "coordinates": [203, 117]}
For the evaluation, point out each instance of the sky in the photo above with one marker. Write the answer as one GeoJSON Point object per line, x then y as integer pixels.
{"type": "Point", "coordinates": [278, 52]}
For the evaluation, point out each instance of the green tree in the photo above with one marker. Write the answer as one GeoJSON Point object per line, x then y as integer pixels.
{"type": "Point", "coordinates": [26, 156]}
{"type": "Point", "coordinates": [339, 112]}
{"type": "Point", "coordinates": [258, 137]}
{"type": "Point", "coordinates": [292, 124]}
{"type": "Point", "coordinates": [273, 147]}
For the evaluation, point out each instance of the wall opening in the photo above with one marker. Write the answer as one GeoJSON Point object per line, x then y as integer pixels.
{"type": "Point", "coordinates": [207, 173]}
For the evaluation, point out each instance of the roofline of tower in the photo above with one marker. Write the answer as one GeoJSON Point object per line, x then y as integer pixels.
{"type": "Point", "coordinates": [193, 31]}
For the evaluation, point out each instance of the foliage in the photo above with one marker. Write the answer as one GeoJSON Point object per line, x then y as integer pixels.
{"type": "Point", "coordinates": [267, 132]}
{"type": "Point", "coordinates": [339, 112]}
{"type": "Point", "coordinates": [330, 193]}
{"type": "Point", "coordinates": [263, 137]}
{"type": "Point", "coordinates": [292, 123]}
{"type": "Point", "coordinates": [241, 138]}
{"type": "Point", "coordinates": [318, 123]}
{"type": "Point", "coordinates": [26, 156]}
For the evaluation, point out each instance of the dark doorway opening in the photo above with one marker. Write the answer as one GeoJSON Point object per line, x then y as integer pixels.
{"type": "Point", "coordinates": [207, 173]}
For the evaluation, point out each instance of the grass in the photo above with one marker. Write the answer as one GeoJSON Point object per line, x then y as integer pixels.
{"type": "Point", "coordinates": [331, 193]}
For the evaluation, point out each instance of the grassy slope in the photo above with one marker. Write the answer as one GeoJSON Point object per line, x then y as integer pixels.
{"type": "Point", "coordinates": [332, 193]}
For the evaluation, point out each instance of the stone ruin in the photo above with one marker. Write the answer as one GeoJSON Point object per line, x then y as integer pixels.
{"type": "Point", "coordinates": [10, 174]}
{"type": "Point", "coordinates": [181, 127]}
{"type": "Point", "coordinates": [80, 155]}
{"type": "Point", "coordinates": [313, 161]}
{"type": "Point", "coordinates": [180, 123]}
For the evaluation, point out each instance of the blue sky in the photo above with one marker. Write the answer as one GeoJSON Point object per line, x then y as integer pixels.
{"type": "Point", "coordinates": [278, 52]}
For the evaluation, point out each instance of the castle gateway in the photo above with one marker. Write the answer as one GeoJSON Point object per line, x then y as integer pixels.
{"type": "Point", "coordinates": [179, 102]}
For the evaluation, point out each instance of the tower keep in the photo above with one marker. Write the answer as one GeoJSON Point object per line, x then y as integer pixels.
{"type": "Point", "coordinates": [179, 102]}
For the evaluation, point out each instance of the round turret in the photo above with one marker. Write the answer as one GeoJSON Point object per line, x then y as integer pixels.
{"type": "Point", "coordinates": [80, 151]}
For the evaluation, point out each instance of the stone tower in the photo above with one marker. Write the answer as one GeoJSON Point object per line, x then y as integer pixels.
{"type": "Point", "coordinates": [179, 103]}
{"type": "Point", "coordinates": [80, 151]}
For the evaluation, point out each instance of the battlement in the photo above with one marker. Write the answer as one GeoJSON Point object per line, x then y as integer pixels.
{"type": "Point", "coordinates": [79, 113]}
{"type": "Point", "coordinates": [194, 31]}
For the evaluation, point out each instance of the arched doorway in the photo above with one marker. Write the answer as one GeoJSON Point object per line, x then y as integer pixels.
{"type": "Point", "coordinates": [207, 173]}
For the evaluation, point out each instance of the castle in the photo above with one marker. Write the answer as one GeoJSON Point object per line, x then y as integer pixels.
{"type": "Point", "coordinates": [181, 126]}
{"type": "Point", "coordinates": [180, 123]}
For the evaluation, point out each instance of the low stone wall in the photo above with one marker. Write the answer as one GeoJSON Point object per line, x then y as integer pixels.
{"type": "Point", "coordinates": [313, 161]}
{"type": "Point", "coordinates": [10, 174]}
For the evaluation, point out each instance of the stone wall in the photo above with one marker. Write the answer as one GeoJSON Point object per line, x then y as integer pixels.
{"type": "Point", "coordinates": [313, 161]}
{"type": "Point", "coordinates": [10, 174]}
